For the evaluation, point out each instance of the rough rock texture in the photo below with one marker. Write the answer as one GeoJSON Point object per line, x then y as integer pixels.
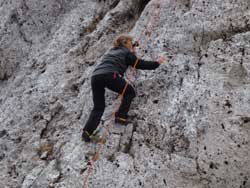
{"type": "Point", "coordinates": [192, 123]}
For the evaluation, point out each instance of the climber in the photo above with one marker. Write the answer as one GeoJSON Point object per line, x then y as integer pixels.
{"type": "Point", "coordinates": [109, 74]}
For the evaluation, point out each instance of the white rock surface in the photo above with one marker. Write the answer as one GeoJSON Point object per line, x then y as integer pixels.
{"type": "Point", "coordinates": [192, 122]}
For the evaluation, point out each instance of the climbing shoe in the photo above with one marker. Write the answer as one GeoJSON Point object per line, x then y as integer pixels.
{"type": "Point", "coordinates": [122, 121]}
{"type": "Point", "coordinates": [86, 136]}
{"type": "Point", "coordinates": [92, 137]}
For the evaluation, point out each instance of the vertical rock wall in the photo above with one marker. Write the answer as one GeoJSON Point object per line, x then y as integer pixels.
{"type": "Point", "coordinates": [191, 115]}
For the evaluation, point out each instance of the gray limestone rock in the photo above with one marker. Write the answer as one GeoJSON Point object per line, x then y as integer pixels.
{"type": "Point", "coordinates": [191, 116]}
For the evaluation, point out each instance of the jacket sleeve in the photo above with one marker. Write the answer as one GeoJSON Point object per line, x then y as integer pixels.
{"type": "Point", "coordinates": [142, 64]}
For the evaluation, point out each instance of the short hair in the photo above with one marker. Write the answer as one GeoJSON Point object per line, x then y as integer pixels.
{"type": "Point", "coordinates": [122, 39]}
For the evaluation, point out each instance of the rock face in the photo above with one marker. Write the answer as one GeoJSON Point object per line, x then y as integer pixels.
{"type": "Point", "coordinates": [191, 125]}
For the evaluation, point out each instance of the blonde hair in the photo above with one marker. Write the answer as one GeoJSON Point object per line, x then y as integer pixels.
{"type": "Point", "coordinates": [122, 39]}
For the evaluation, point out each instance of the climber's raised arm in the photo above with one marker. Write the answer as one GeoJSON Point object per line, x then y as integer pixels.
{"type": "Point", "coordinates": [143, 64]}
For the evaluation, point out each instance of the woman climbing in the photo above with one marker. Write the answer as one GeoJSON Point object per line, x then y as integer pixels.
{"type": "Point", "coordinates": [109, 74]}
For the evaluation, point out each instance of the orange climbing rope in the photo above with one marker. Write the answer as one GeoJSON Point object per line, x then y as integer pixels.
{"type": "Point", "coordinates": [101, 142]}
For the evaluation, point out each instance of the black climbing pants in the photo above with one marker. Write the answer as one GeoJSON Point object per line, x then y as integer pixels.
{"type": "Point", "coordinates": [114, 82]}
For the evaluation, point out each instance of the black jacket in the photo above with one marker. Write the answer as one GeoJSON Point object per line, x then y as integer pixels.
{"type": "Point", "coordinates": [118, 59]}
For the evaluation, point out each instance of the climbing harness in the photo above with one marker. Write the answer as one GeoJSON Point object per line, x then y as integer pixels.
{"type": "Point", "coordinates": [103, 138]}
